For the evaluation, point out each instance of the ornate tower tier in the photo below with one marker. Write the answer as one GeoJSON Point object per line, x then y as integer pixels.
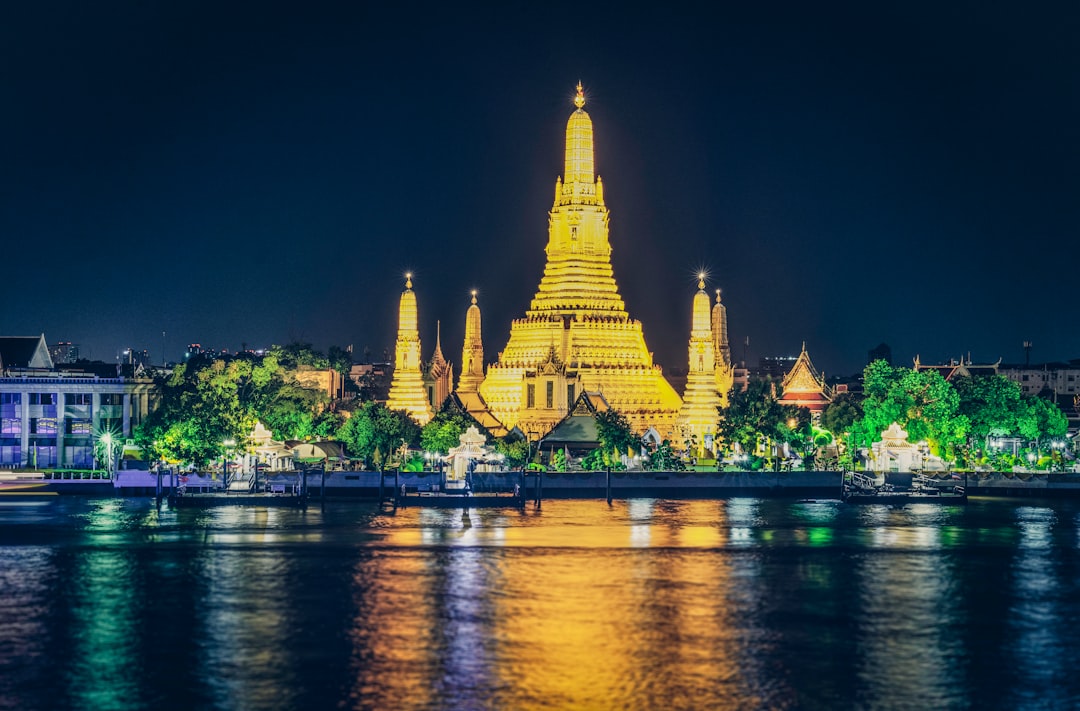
{"type": "Point", "coordinates": [725, 371]}
{"type": "Point", "coordinates": [699, 415]}
{"type": "Point", "coordinates": [407, 390]}
{"type": "Point", "coordinates": [439, 376]}
{"type": "Point", "coordinates": [576, 334]}
{"type": "Point", "coordinates": [472, 352]}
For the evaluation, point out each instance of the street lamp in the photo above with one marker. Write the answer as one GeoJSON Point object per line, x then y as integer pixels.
{"type": "Point", "coordinates": [227, 444]}
{"type": "Point", "coordinates": [108, 442]}
{"type": "Point", "coordinates": [1031, 459]}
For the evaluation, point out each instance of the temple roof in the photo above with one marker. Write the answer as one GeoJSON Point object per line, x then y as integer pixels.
{"type": "Point", "coordinates": [579, 428]}
{"type": "Point", "coordinates": [24, 352]}
{"type": "Point", "coordinates": [959, 368]}
{"type": "Point", "coordinates": [804, 383]}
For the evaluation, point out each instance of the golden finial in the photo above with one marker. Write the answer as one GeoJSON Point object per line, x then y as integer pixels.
{"type": "Point", "coordinates": [701, 280]}
{"type": "Point", "coordinates": [718, 296]}
{"type": "Point", "coordinates": [579, 100]}
{"type": "Point", "coordinates": [408, 280]}
{"type": "Point", "coordinates": [474, 297]}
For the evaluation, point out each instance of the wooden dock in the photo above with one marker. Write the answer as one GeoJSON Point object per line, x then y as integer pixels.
{"type": "Point", "coordinates": [475, 500]}
{"type": "Point", "coordinates": [221, 498]}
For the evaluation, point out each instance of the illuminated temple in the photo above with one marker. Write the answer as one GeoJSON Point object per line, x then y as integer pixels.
{"type": "Point", "coordinates": [407, 391]}
{"type": "Point", "coordinates": [702, 397]}
{"type": "Point", "coordinates": [576, 335]}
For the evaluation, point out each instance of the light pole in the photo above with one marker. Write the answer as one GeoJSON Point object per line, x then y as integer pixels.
{"type": "Point", "coordinates": [227, 444]}
{"type": "Point", "coordinates": [108, 442]}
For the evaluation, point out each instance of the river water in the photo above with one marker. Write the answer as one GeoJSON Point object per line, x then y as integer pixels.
{"type": "Point", "coordinates": [646, 604]}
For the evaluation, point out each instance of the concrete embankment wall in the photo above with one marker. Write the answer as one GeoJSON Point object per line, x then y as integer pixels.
{"type": "Point", "coordinates": [687, 485]}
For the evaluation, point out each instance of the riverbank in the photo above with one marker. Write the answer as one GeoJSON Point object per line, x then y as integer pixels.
{"type": "Point", "coordinates": [624, 485]}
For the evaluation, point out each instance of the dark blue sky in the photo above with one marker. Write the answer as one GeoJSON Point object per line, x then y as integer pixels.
{"type": "Point", "coordinates": [258, 173]}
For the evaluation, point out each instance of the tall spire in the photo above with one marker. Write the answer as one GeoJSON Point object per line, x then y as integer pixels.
{"type": "Point", "coordinates": [437, 357]}
{"type": "Point", "coordinates": [725, 372]}
{"type": "Point", "coordinates": [698, 415]}
{"type": "Point", "coordinates": [579, 147]}
{"type": "Point", "coordinates": [439, 378]}
{"type": "Point", "coordinates": [576, 335]}
{"type": "Point", "coordinates": [720, 332]}
{"type": "Point", "coordinates": [472, 352]}
{"type": "Point", "coordinates": [407, 387]}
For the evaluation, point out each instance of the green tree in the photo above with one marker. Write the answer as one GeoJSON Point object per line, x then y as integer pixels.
{"type": "Point", "coordinates": [616, 437]}
{"type": "Point", "coordinates": [295, 354]}
{"type": "Point", "coordinates": [374, 433]}
{"type": "Point", "coordinates": [203, 404]}
{"type": "Point", "coordinates": [841, 414]}
{"type": "Point", "coordinates": [920, 401]}
{"type": "Point", "coordinates": [993, 405]}
{"type": "Point", "coordinates": [1041, 419]}
{"type": "Point", "coordinates": [444, 430]}
{"type": "Point", "coordinates": [664, 458]}
{"type": "Point", "coordinates": [515, 450]}
{"type": "Point", "coordinates": [755, 416]}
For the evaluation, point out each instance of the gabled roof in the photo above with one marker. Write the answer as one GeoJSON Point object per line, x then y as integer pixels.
{"type": "Point", "coordinates": [803, 381]}
{"type": "Point", "coordinates": [579, 428]}
{"type": "Point", "coordinates": [960, 368]}
{"type": "Point", "coordinates": [24, 352]}
{"type": "Point", "coordinates": [472, 404]}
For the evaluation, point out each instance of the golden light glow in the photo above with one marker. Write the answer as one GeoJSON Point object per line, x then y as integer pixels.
{"type": "Point", "coordinates": [698, 415]}
{"type": "Point", "coordinates": [407, 391]}
{"type": "Point", "coordinates": [576, 335]}
{"type": "Point", "coordinates": [579, 100]}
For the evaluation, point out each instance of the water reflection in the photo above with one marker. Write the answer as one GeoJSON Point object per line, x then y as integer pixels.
{"type": "Point", "coordinates": [745, 603]}
{"type": "Point", "coordinates": [1035, 619]}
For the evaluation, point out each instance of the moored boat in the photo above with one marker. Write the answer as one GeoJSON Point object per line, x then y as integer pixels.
{"type": "Point", "coordinates": [862, 489]}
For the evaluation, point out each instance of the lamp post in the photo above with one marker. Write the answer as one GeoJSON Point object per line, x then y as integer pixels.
{"type": "Point", "coordinates": [109, 443]}
{"type": "Point", "coordinates": [227, 444]}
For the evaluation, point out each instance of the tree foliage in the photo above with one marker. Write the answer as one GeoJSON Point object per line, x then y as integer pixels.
{"type": "Point", "coordinates": [206, 402]}
{"type": "Point", "coordinates": [920, 401]}
{"type": "Point", "coordinates": [376, 433]}
{"type": "Point", "coordinates": [841, 414]}
{"type": "Point", "coordinates": [615, 434]}
{"type": "Point", "coordinates": [444, 430]}
{"type": "Point", "coordinates": [755, 414]}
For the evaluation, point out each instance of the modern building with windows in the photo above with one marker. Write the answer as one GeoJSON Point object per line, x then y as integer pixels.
{"type": "Point", "coordinates": [52, 418]}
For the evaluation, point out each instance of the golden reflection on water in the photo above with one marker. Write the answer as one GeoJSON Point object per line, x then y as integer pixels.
{"type": "Point", "coordinates": [547, 618]}
{"type": "Point", "coordinates": [644, 604]}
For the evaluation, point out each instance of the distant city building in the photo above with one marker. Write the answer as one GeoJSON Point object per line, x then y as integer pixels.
{"type": "Point", "coordinates": [325, 380]}
{"type": "Point", "coordinates": [51, 418]}
{"type": "Point", "coordinates": [372, 380]}
{"type": "Point", "coordinates": [135, 358]}
{"type": "Point", "coordinates": [1059, 378]}
{"type": "Point", "coordinates": [64, 352]}
{"type": "Point", "coordinates": [1057, 381]}
{"type": "Point", "coordinates": [774, 367]}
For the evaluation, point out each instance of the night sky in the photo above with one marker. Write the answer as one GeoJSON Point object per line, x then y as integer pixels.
{"type": "Point", "coordinates": [260, 173]}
